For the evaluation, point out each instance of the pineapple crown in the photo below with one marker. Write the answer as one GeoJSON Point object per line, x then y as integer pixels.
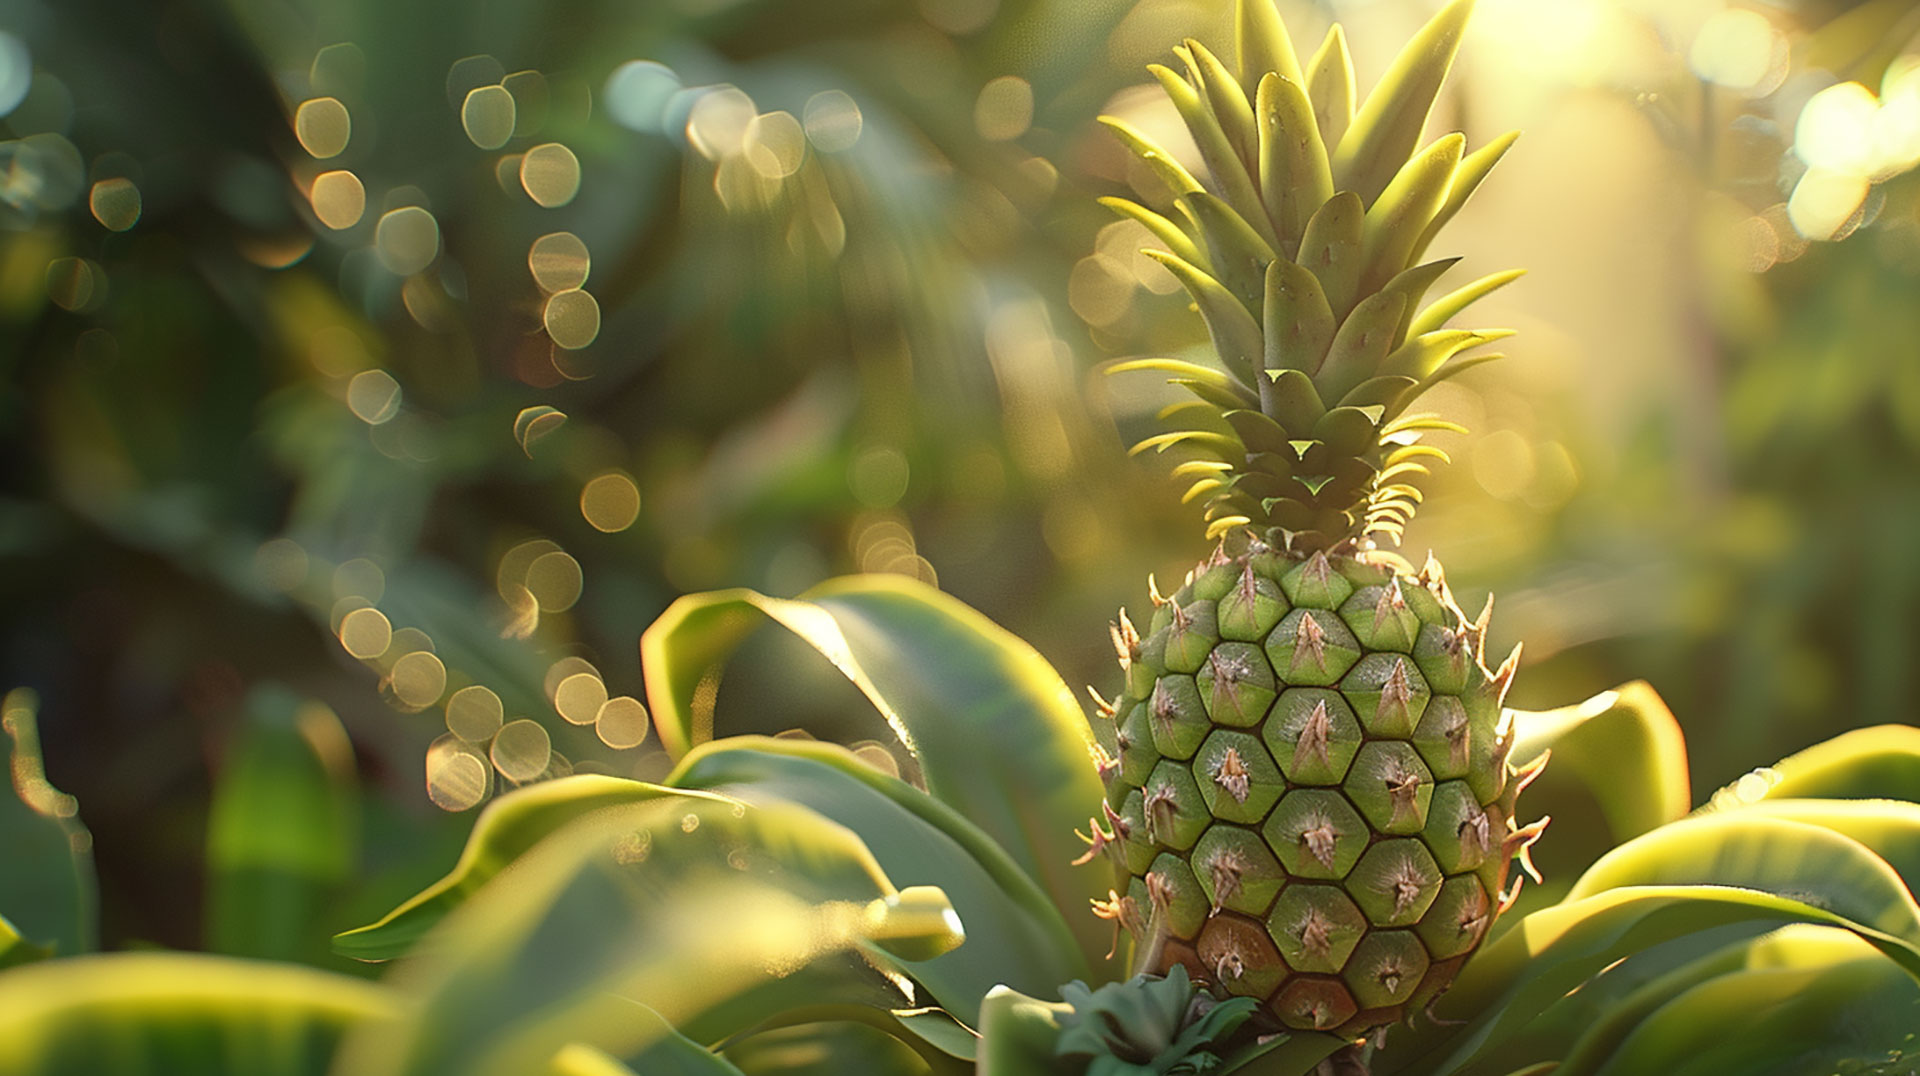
{"type": "Point", "coordinates": [1302, 249]}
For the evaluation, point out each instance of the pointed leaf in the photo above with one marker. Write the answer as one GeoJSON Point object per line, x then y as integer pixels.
{"type": "Point", "coordinates": [947, 679]}
{"type": "Point", "coordinates": [1178, 180]}
{"type": "Point", "coordinates": [1443, 309]}
{"type": "Point", "coordinates": [1330, 86]}
{"type": "Point", "coordinates": [1331, 250]}
{"type": "Point", "coordinates": [1216, 382]}
{"type": "Point", "coordinates": [1263, 43]}
{"type": "Point", "coordinates": [159, 1014]}
{"type": "Point", "coordinates": [1396, 220]}
{"type": "Point", "coordinates": [1359, 350]}
{"type": "Point", "coordinates": [1225, 169]}
{"type": "Point", "coordinates": [1018, 936]}
{"type": "Point", "coordinates": [1295, 177]}
{"type": "Point", "coordinates": [1413, 284]}
{"type": "Point", "coordinates": [1298, 324]}
{"type": "Point", "coordinates": [1236, 335]}
{"type": "Point", "coordinates": [1163, 229]}
{"type": "Point", "coordinates": [1296, 403]}
{"type": "Point", "coordinates": [1347, 431]}
{"type": "Point", "coordinates": [1238, 255]}
{"type": "Point", "coordinates": [1227, 101]}
{"type": "Point", "coordinates": [1422, 355]}
{"type": "Point", "coordinates": [506, 830]}
{"type": "Point", "coordinates": [1387, 127]}
{"type": "Point", "coordinates": [1473, 171]}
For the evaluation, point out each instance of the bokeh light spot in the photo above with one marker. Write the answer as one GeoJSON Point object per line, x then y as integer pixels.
{"type": "Point", "coordinates": [535, 423]}
{"type": "Point", "coordinates": [622, 723]}
{"type": "Point", "coordinates": [16, 72]}
{"type": "Point", "coordinates": [572, 319]}
{"type": "Point", "coordinates": [557, 673]}
{"type": "Point", "coordinates": [776, 145]}
{"type": "Point", "coordinates": [521, 750]}
{"type": "Point", "coordinates": [474, 713]}
{"type": "Point", "coordinates": [115, 203]}
{"type": "Point", "coordinates": [717, 124]}
{"type": "Point", "coordinates": [323, 127]}
{"type": "Point", "coordinates": [457, 777]}
{"type": "Point", "coordinates": [559, 261]}
{"type": "Point", "coordinates": [1835, 130]}
{"type": "Point", "coordinates": [1824, 203]}
{"type": "Point", "coordinates": [75, 284]}
{"type": "Point", "coordinates": [339, 200]}
{"type": "Point", "coordinates": [833, 121]}
{"type": "Point", "coordinates": [488, 116]}
{"type": "Point", "coordinates": [359, 578]}
{"type": "Point", "coordinates": [407, 240]}
{"type": "Point", "coordinates": [554, 580]}
{"type": "Point", "coordinates": [579, 697]}
{"type": "Point", "coordinates": [636, 95]}
{"type": "Point", "coordinates": [550, 174]}
{"type": "Point", "coordinates": [373, 396]}
{"type": "Point", "coordinates": [1004, 109]}
{"type": "Point", "coordinates": [419, 678]}
{"type": "Point", "coordinates": [470, 73]}
{"type": "Point", "coordinates": [610, 502]}
{"type": "Point", "coordinates": [1736, 48]}
{"type": "Point", "coordinates": [365, 633]}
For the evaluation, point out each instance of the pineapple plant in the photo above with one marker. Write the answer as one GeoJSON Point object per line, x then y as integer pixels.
{"type": "Point", "coordinates": [1310, 800]}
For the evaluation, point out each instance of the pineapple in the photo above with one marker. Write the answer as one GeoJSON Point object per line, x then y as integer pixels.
{"type": "Point", "coordinates": [1311, 802]}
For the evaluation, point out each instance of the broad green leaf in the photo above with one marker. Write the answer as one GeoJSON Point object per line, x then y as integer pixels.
{"type": "Point", "coordinates": [1890, 827]}
{"type": "Point", "coordinates": [1806, 1001]}
{"type": "Point", "coordinates": [1554, 950]}
{"type": "Point", "coordinates": [939, 1029]}
{"type": "Point", "coordinates": [1882, 762]}
{"type": "Point", "coordinates": [1296, 1053]}
{"type": "Point", "coordinates": [999, 738]}
{"type": "Point", "coordinates": [708, 911]}
{"type": "Point", "coordinates": [1015, 935]}
{"type": "Point", "coordinates": [1623, 746]}
{"type": "Point", "coordinates": [508, 827]}
{"type": "Point", "coordinates": [47, 886]}
{"type": "Point", "coordinates": [163, 1014]}
{"type": "Point", "coordinates": [1615, 1018]}
{"type": "Point", "coordinates": [1774, 855]}
{"type": "Point", "coordinates": [281, 835]}
{"type": "Point", "coordinates": [1017, 1034]}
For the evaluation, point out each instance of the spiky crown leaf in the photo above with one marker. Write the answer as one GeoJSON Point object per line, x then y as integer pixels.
{"type": "Point", "coordinates": [1302, 250]}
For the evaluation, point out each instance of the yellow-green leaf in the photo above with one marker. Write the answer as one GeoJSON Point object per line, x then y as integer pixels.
{"type": "Point", "coordinates": [712, 913]}
{"type": "Point", "coordinates": [947, 680]}
{"type": "Point", "coordinates": [282, 833]}
{"type": "Point", "coordinates": [165, 1014]}
{"type": "Point", "coordinates": [1624, 746]}
{"type": "Point", "coordinates": [1016, 934]}
{"type": "Point", "coordinates": [507, 829]}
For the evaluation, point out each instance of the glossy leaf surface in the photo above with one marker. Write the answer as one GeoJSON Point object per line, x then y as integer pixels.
{"type": "Point", "coordinates": [998, 737]}
{"type": "Point", "coordinates": [1015, 936]}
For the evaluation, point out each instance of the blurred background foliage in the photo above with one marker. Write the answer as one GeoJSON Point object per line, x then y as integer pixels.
{"type": "Point", "coordinates": [414, 357]}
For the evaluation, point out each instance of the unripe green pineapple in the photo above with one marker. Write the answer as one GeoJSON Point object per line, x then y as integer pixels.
{"type": "Point", "coordinates": [1312, 802]}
